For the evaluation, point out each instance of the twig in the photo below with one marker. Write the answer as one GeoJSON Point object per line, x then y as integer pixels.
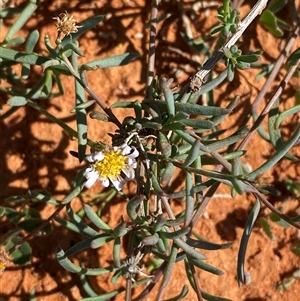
{"type": "Point", "coordinates": [197, 80]}
{"type": "Point", "coordinates": [107, 110]}
{"type": "Point", "coordinates": [270, 79]}
{"type": "Point", "coordinates": [151, 53]}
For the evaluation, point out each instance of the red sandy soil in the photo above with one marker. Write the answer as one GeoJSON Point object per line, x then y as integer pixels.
{"type": "Point", "coordinates": [35, 155]}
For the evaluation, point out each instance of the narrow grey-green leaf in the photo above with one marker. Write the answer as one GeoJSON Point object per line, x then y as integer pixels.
{"type": "Point", "coordinates": [218, 119]}
{"type": "Point", "coordinates": [25, 15]}
{"type": "Point", "coordinates": [122, 104]}
{"type": "Point", "coordinates": [169, 127]}
{"type": "Point", "coordinates": [88, 232]}
{"type": "Point", "coordinates": [117, 252]}
{"type": "Point", "coordinates": [170, 265]}
{"type": "Point", "coordinates": [194, 109]}
{"type": "Point", "coordinates": [167, 173]}
{"type": "Point", "coordinates": [238, 185]}
{"type": "Point", "coordinates": [159, 223]}
{"type": "Point", "coordinates": [29, 46]}
{"type": "Point", "coordinates": [86, 26]}
{"type": "Point", "coordinates": [46, 90]}
{"type": "Point", "coordinates": [96, 220]}
{"type": "Point", "coordinates": [198, 124]}
{"type": "Point", "coordinates": [156, 185]}
{"type": "Point", "coordinates": [99, 116]}
{"type": "Point", "coordinates": [204, 266]}
{"type": "Point", "coordinates": [17, 101]}
{"type": "Point", "coordinates": [206, 245]}
{"type": "Point", "coordinates": [181, 295]}
{"type": "Point", "coordinates": [133, 206]}
{"type": "Point", "coordinates": [216, 145]}
{"type": "Point", "coordinates": [274, 131]}
{"type": "Point", "coordinates": [31, 41]}
{"type": "Point", "coordinates": [82, 227]}
{"type": "Point", "coordinates": [295, 219]}
{"type": "Point", "coordinates": [85, 286]}
{"type": "Point", "coordinates": [164, 145]}
{"type": "Point", "coordinates": [161, 246]}
{"type": "Point", "coordinates": [52, 62]}
{"type": "Point", "coordinates": [22, 254]}
{"type": "Point", "coordinates": [83, 105]}
{"type": "Point", "coordinates": [189, 250]}
{"type": "Point", "coordinates": [175, 234]}
{"type": "Point", "coordinates": [67, 264]}
{"type": "Point", "coordinates": [118, 60]}
{"type": "Point", "coordinates": [168, 94]}
{"type": "Point", "coordinates": [193, 153]}
{"type": "Point", "coordinates": [186, 137]}
{"type": "Point", "coordinates": [249, 58]}
{"type": "Point", "coordinates": [74, 47]}
{"type": "Point", "coordinates": [121, 229]}
{"type": "Point", "coordinates": [39, 196]}
{"type": "Point", "coordinates": [189, 199]}
{"type": "Point", "coordinates": [9, 11]}
{"type": "Point", "coordinates": [73, 194]}
{"type": "Point", "coordinates": [150, 240]}
{"type": "Point", "coordinates": [83, 244]}
{"type": "Point", "coordinates": [266, 227]}
{"type": "Point", "coordinates": [277, 156]}
{"type": "Point", "coordinates": [16, 56]}
{"type": "Point", "coordinates": [294, 58]}
{"type": "Point", "coordinates": [101, 240]}
{"type": "Point", "coordinates": [278, 220]}
{"type": "Point", "coordinates": [244, 242]}
{"type": "Point", "coordinates": [189, 273]}
{"type": "Point", "coordinates": [280, 117]}
{"type": "Point", "coordinates": [14, 198]}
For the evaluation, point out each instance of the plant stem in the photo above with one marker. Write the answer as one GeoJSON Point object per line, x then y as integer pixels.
{"type": "Point", "coordinates": [263, 91]}
{"type": "Point", "coordinates": [197, 80]}
{"type": "Point", "coordinates": [107, 110]}
{"type": "Point", "coordinates": [151, 52]}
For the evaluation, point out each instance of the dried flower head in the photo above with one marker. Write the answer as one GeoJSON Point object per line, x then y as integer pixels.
{"type": "Point", "coordinates": [111, 164]}
{"type": "Point", "coordinates": [4, 260]}
{"type": "Point", "coordinates": [65, 25]}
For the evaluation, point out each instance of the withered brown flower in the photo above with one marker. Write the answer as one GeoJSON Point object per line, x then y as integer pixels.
{"type": "Point", "coordinates": [66, 25]}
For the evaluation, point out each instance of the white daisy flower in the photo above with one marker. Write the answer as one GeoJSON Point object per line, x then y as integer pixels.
{"type": "Point", "coordinates": [113, 164]}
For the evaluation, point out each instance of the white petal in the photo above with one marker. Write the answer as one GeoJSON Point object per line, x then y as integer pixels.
{"type": "Point", "coordinates": [125, 149]}
{"type": "Point", "coordinates": [118, 183]}
{"type": "Point", "coordinates": [89, 171]}
{"type": "Point", "coordinates": [131, 162]}
{"type": "Point", "coordinates": [104, 181]}
{"type": "Point", "coordinates": [134, 154]}
{"type": "Point", "coordinates": [91, 177]}
{"type": "Point", "coordinates": [99, 156]}
{"type": "Point", "coordinates": [129, 172]}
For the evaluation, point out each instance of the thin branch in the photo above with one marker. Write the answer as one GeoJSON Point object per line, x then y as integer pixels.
{"type": "Point", "coordinates": [151, 53]}
{"type": "Point", "coordinates": [197, 80]}
{"type": "Point", "coordinates": [270, 79]}
{"type": "Point", "coordinates": [107, 110]}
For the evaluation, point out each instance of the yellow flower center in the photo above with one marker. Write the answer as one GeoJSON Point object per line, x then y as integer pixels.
{"type": "Point", "coordinates": [112, 164]}
{"type": "Point", "coordinates": [2, 265]}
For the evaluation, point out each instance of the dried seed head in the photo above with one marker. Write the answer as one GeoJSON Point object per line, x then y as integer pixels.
{"type": "Point", "coordinates": [65, 25]}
